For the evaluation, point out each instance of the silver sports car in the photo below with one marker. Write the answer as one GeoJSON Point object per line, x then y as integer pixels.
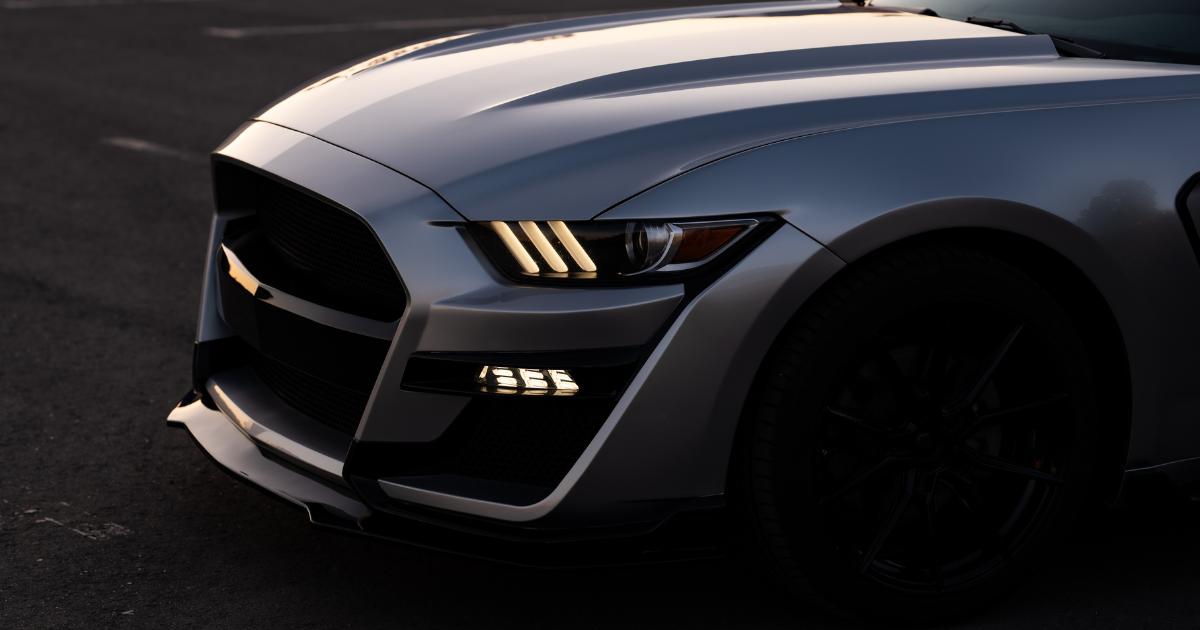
{"type": "Point", "coordinates": [879, 296]}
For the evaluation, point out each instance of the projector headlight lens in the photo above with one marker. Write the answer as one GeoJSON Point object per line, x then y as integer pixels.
{"type": "Point", "coordinates": [607, 250]}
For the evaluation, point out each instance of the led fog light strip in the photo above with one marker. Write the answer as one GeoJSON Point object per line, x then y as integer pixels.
{"type": "Point", "coordinates": [509, 380]}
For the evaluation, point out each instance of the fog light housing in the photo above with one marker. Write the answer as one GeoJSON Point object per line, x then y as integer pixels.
{"type": "Point", "coordinates": [497, 379]}
{"type": "Point", "coordinates": [585, 373]}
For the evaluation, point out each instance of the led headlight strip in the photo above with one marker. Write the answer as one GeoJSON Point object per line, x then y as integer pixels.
{"type": "Point", "coordinates": [576, 251]}
{"type": "Point", "coordinates": [528, 265]}
{"type": "Point", "coordinates": [611, 250]}
{"type": "Point", "coordinates": [544, 247]}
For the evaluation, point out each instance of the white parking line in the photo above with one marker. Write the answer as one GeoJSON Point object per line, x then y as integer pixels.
{"type": "Point", "coordinates": [17, 5]}
{"type": "Point", "coordinates": [384, 25]}
{"type": "Point", "coordinates": [153, 148]}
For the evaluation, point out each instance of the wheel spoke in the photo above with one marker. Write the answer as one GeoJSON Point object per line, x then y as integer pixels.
{"type": "Point", "coordinates": [985, 376]}
{"type": "Point", "coordinates": [859, 479]}
{"type": "Point", "coordinates": [931, 368]}
{"type": "Point", "coordinates": [903, 384]}
{"type": "Point", "coordinates": [850, 419]}
{"type": "Point", "coordinates": [1004, 415]}
{"type": "Point", "coordinates": [990, 538]}
{"type": "Point", "coordinates": [995, 464]}
{"type": "Point", "coordinates": [935, 551]}
{"type": "Point", "coordinates": [890, 521]}
{"type": "Point", "coordinates": [948, 480]}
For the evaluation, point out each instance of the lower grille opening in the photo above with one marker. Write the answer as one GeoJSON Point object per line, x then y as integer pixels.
{"type": "Point", "coordinates": [335, 406]}
{"type": "Point", "coordinates": [512, 450]}
{"type": "Point", "coordinates": [508, 448]}
{"type": "Point", "coordinates": [524, 441]}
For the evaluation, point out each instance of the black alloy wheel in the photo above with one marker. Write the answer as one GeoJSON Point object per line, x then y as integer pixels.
{"type": "Point", "coordinates": [923, 431]}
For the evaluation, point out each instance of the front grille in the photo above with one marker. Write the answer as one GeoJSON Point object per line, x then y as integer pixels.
{"type": "Point", "coordinates": [318, 250]}
{"type": "Point", "coordinates": [335, 406]}
{"type": "Point", "coordinates": [301, 245]}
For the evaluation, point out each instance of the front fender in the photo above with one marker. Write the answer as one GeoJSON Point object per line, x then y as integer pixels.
{"type": "Point", "coordinates": [1095, 183]}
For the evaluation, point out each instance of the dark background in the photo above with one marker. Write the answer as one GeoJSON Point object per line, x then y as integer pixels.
{"type": "Point", "coordinates": [107, 111]}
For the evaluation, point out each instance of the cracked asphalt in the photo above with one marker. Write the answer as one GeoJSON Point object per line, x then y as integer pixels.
{"type": "Point", "coordinates": [109, 519]}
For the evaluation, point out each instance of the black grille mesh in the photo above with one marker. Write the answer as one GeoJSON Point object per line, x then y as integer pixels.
{"type": "Point", "coordinates": [332, 405]}
{"type": "Point", "coordinates": [303, 245]}
{"type": "Point", "coordinates": [329, 247]}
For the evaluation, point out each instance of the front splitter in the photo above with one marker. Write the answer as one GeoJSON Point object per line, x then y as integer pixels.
{"type": "Point", "coordinates": [687, 536]}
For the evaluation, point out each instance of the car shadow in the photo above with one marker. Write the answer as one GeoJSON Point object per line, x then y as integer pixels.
{"type": "Point", "coordinates": [1123, 566]}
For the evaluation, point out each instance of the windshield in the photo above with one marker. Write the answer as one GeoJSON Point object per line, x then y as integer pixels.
{"type": "Point", "coordinates": [1142, 30]}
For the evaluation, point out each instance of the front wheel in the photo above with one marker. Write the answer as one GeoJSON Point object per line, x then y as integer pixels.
{"type": "Point", "coordinates": [921, 433]}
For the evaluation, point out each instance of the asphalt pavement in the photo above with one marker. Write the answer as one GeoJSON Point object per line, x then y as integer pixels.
{"type": "Point", "coordinates": [108, 518]}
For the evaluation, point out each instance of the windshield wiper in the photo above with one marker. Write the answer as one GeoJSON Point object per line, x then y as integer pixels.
{"type": "Point", "coordinates": [1064, 45]}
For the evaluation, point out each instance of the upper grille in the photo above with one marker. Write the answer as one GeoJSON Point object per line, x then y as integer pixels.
{"type": "Point", "coordinates": [324, 253]}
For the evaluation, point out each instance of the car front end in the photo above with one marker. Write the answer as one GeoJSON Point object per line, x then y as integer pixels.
{"type": "Point", "coordinates": [362, 355]}
{"type": "Point", "coordinates": [541, 293]}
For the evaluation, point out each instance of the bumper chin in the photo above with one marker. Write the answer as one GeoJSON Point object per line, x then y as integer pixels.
{"type": "Point", "coordinates": [218, 436]}
{"type": "Point", "coordinates": [642, 463]}
{"type": "Point", "coordinates": [694, 531]}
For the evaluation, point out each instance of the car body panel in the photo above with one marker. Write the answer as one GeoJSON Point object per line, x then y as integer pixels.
{"type": "Point", "coordinates": [670, 433]}
{"type": "Point", "coordinates": [858, 128]}
{"type": "Point", "coordinates": [1097, 184]}
{"type": "Point", "coordinates": [564, 125]}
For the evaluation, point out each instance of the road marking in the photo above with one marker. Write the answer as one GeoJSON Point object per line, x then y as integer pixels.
{"type": "Point", "coordinates": [75, 523]}
{"type": "Point", "coordinates": [241, 32]}
{"type": "Point", "coordinates": [145, 146]}
{"type": "Point", "coordinates": [90, 531]}
{"type": "Point", "coordinates": [18, 5]}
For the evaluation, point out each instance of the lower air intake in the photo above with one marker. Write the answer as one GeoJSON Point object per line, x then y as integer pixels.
{"type": "Point", "coordinates": [335, 406]}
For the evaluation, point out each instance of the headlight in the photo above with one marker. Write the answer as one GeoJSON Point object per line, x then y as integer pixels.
{"type": "Point", "coordinates": [608, 250]}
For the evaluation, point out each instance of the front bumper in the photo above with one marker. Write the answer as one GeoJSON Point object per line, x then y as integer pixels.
{"type": "Point", "coordinates": [693, 533]}
{"type": "Point", "coordinates": [660, 452]}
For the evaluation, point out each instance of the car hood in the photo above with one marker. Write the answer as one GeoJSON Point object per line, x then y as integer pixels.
{"type": "Point", "coordinates": [563, 120]}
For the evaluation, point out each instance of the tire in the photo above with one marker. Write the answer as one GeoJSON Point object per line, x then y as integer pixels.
{"type": "Point", "coordinates": [921, 434]}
